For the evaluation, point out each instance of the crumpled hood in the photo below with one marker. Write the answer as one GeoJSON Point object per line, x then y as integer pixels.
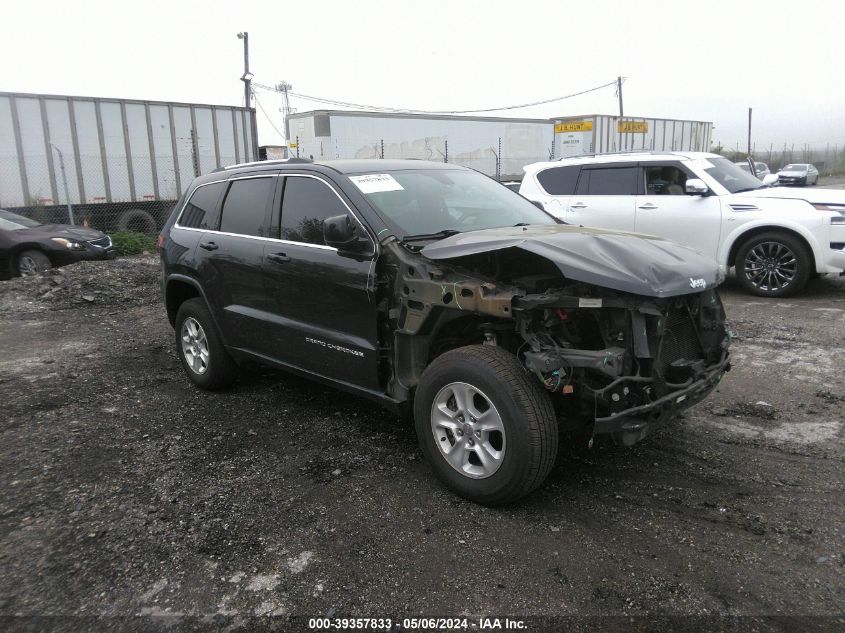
{"type": "Point", "coordinates": [627, 262]}
{"type": "Point", "coordinates": [833, 196]}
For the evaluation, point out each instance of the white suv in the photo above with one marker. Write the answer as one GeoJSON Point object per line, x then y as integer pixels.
{"type": "Point", "coordinates": [776, 237]}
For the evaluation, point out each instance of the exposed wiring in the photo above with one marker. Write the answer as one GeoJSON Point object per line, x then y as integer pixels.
{"type": "Point", "coordinates": [267, 116]}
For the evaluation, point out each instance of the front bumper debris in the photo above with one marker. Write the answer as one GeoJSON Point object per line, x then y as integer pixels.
{"type": "Point", "coordinates": [631, 425]}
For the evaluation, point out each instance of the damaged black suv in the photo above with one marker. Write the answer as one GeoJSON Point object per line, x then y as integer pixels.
{"type": "Point", "coordinates": [436, 291]}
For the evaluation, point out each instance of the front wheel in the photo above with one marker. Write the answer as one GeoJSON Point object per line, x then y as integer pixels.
{"type": "Point", "coordinates": [773, 265]}
{"type": "Point", "coordinates": [485, 425]}
{"type": "Point", "coordinates": [33, 262]}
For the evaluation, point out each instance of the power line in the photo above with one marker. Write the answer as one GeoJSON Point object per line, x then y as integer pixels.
{"type": "Point", "coordinates": [269, 120]}
{"type": "Point", "coordinates": [361, 106]}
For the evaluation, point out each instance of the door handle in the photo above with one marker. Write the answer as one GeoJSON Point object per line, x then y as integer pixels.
{"type": "Point", "coordinates": [279, 258]}
{"type": "Point", "coordinates": [647, 205]}
{"type": "Point", "coordinates": [209, 246]}
{"type": "Point", "coordinates": [578, 205]}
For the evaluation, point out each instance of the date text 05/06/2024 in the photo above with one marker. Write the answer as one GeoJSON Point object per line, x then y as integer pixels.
{"type": "Point", "coordinates": [418, 624]}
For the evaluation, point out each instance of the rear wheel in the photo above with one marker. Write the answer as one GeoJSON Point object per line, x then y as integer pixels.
{"type": "Point", "coordinates": [487, 428]}
{"type": "Point", "coordinates": [773, 265]}
{"type": "Point", "coordinates": [203, 356]}
{"type": "Point", "coordinates": [32, 262]}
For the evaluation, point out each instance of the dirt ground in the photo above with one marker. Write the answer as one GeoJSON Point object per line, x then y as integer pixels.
{"type": "Point", "coordinates": [126, 491]}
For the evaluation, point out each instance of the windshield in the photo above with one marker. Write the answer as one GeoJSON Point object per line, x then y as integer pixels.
{"type": "Point", "coordinates": [730, 176]}
{"type": "Point", "coordinates": [795, 168]}
{"type": "Point", "coordinates": [427, 201]}
{"type": "Point", "coordinates": [13, 222]}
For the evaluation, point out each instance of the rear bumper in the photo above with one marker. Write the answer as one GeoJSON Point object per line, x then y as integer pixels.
{"type": "Point", "coordinates": [632, 425]}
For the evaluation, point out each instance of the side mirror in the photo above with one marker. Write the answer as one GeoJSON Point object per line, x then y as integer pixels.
{"type": "Point", "coordinates": [770, 180]}
{"type": "Point", "coordinates": [696, 187]}
{"type": "Point", "coordinates": [341, 233]}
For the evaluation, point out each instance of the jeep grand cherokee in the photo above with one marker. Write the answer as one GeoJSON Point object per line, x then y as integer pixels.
{"type": "Point", "coordinates": [432, 289]}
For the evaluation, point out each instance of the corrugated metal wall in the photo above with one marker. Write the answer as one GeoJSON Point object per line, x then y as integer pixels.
{"type": "Point", "coordinates": [612, 134]}
{"type": "Point", "coordinates": [114, 150]}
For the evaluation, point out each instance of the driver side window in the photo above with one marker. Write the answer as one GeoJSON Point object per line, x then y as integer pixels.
{"type": "Point", "coordinates": [306, 203]}
{"type": "Point", "coordinates": [665, 180]}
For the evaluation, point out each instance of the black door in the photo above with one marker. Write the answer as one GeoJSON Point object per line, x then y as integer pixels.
{"type": "Point", "coordinates": [324, 316]}
{"type": "Point", "coordinates": [230, 262]}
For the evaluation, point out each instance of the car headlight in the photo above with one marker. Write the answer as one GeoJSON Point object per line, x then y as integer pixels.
{"type": "Point", "coordinates": [71, 244]}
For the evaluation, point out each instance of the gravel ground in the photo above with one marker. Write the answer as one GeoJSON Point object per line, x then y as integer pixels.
{"type": "Point", "coordinates": [128, 492]}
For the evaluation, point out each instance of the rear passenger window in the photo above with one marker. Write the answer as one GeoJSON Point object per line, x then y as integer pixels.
{"type": "Point", "coordinates": [616, 181]}
{"type": "Point", "coordinates": [245, 206]}
{"type": "Point", "coordinates": [559, 181]}
{"type": "Point", "coordinates": [201, 210]}
{"type": "Point", "coordinates": [306, 203]}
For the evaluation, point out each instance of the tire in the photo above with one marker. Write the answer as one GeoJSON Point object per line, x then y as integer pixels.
{"type": "Point", "coordinates": [210, 366]}
{"type": "Point", "coordinates": [32, 262]}
{"type": "Point", "coordinates": [776, 249]}
{"type": "Point", "coordinates": [499, 389]}
{"type": "Point", "coordinates": [137, 221]}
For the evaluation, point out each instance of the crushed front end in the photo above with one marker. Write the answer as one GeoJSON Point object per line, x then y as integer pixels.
{"type": "Point", "coordinates": [622, 362]}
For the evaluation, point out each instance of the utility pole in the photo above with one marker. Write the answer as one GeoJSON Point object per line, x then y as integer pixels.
{"type": "Point", "coordinates": [64, 182]}
{"type": "Point", "coordinates": [619, 92]}
{"type": "Point", "coordinates": [749, 131]}
{"type": "Point", "coordinates": [621, 111]}
{"type": "Point", "coordinates": [247, 76]}
{"type": "Point", "coordinates": [283, 88]}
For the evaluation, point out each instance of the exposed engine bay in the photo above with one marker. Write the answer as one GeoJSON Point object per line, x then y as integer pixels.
{"type": "Point", "coordinates": [614, 361]}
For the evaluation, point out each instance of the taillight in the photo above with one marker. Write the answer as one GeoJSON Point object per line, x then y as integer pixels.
{"type": "Point", "coordinates": [160, 243]}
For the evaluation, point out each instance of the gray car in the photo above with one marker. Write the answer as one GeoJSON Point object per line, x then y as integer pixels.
{"type": "Point", "coordinates": [799, 174]}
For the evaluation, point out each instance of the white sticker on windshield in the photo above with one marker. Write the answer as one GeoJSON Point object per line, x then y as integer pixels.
{"type": "Point", "coordinates": [375, 183]}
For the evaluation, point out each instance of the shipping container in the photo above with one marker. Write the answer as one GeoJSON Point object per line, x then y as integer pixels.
{"type": "Point", "coordinates": [494, 146]}
{"type": "Point", "coordinates": [125, 162]}
{"type": "Point", "coordinates": [601, 133]}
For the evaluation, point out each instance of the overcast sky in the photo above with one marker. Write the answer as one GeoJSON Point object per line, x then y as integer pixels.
{"type": "Point", "coordinates": [688, 60]}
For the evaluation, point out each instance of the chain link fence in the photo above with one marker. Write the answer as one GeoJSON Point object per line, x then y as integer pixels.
{"type": "Point", "coordinates": [83, 197]}
{"type": "Point", "coordinates": [829, 160]}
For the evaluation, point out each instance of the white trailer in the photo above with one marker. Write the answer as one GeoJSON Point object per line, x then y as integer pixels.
{"type": "Point", "coordinates": [601, 133]}
{"type": "Point", "coordinates": [499, 147]}
{"type": "Point", "coordinates": [125, 161]}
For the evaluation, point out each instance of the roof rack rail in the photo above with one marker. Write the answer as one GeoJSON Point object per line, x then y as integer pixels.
{"type": "Point", "coordinates": [286, 161]}
{"type": "Point", "coordinates": [622, 153]}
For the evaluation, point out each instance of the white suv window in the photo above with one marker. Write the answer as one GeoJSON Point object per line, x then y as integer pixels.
{"type": "Point", "coordinates": [608, 181]}
{"type": "Point", "coordinates": [664, 180]}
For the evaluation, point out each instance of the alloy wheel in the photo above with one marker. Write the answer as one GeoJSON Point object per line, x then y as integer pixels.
{"type": "Point", "coordinates": [27, 266]}
{"type": "Point", "coordinates": [468, 430]}
{"type": "Point", "coordinates": [194, 345]}
{"type": "Point", "coordinates": [771, 266]}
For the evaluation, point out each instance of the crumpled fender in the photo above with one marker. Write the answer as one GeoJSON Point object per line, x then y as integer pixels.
{"type": "Point", "coordinates": [627, 262]}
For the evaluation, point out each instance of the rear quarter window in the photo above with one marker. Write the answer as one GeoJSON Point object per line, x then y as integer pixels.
{"type": "Point", "coordinates": [559, 181]}
{"type": "Point", "coordinates": [201, 210]}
